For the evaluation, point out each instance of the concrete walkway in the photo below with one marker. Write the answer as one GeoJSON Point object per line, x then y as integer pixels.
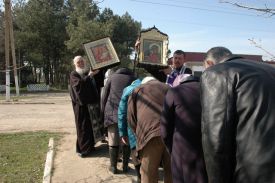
{"type": "Point", "coordinates": [68, 167]}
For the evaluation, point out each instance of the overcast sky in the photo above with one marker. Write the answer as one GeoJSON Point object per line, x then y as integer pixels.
{"type": "Point", "coordinates": [197, 25]}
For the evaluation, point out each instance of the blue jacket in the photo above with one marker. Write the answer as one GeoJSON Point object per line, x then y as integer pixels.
{"type": "Point", "coordinates": [123, 128]}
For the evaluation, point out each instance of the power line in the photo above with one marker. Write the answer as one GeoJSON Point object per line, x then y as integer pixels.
{"type": "Point", "coordinates": [194, 8]}
{"type": "Point", "coordinates": [202, 3]}
{"type": "Point", "coordinates": [210, 25]}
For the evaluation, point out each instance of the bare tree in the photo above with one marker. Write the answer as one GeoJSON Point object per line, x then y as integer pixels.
{"type": "Point", "coordinates": [266, 11]}
{"type": "Point", "coordinates": [99, 1]}
{"type": "Point", "coordinates": [272, 56]}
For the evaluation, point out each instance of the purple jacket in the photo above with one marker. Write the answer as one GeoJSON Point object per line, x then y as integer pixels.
{"type": "Point", "coordinates": [181, 132]}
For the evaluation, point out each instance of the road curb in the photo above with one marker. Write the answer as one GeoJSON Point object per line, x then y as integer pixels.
{"type": "Point", "coordinates": [49, 162]}
{"type": "Point", "coordinates": [12, 103]}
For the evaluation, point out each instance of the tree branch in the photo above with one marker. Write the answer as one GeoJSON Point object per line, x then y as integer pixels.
{"type": "Point", "coordinates": [272, 56]}
{"type": "Point", "coordinates": [266, 10]}
{"type": "Point", "coordinates": [99, 1]}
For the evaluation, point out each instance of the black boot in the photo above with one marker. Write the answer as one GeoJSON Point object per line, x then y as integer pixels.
{"type": "Point", "coordinates": [126, 155]}
{"type": "Point", "coordinates": [113, 152]}
{"type": "Point", "coordinates": [137, 167]}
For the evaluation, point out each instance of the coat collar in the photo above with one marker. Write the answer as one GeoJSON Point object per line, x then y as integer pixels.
{"type": "Point", "coordinates": [189, 78]}
{"type": "Point", "coordinates": [232, 58]}
{"type": "Point", "coordinates": [124, 71]}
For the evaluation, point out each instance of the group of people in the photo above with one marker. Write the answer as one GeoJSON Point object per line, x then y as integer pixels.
{"type": "Point", "coordinates": [218, 128]}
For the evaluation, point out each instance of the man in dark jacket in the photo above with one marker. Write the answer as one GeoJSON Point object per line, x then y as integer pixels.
{"type": "Point", "coordinates": [111, 96]}
{"type": "Point", "coordinates": [181, 131]}
{"type": "Point", "coordinates": [238, 118]}
{"type": "Point", "coordinates": [83, 92]}
{"type": "Point", "coordinates": [144, 110]}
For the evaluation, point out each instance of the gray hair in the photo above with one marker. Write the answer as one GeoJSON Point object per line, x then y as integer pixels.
{"type": "Point", "coordinates": [218, 54]}
{"type": "Point", "coordinates": [76, 58]}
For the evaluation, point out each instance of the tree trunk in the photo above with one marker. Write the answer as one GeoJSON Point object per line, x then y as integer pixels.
{"type": "Point", "coordinates": [39, 75]}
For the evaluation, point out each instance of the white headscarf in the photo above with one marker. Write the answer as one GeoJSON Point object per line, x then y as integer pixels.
{"type": "Point", "coordinates": [147, 79]}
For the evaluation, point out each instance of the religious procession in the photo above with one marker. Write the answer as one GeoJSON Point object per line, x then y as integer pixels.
{"type": "Point", "coordinates": [213, 127]}
{"type": "Point", "coordinates": [175, 116]}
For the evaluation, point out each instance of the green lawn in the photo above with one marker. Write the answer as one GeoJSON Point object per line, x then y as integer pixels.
{"type": "Point", "coordinates": [22, 156]}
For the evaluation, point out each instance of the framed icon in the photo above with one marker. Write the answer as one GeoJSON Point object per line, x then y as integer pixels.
{"type": "Point", "coordinates": [152, 50]}
{"type": "Point", "coordinates": [153, 47]}
{"type": "Point", "coordinates": [101, 53]}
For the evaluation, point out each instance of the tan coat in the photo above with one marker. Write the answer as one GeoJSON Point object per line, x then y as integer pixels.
{"type": "Point", "coordinates": [144, 111]}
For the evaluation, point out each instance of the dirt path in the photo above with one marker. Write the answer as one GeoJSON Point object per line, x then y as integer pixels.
{"type": "Point", "coordinates": [53, 112]}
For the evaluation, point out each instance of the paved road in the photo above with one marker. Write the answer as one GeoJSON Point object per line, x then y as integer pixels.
{"type": "Point", "coordinates": [37, 112]}
{"type": "Point", "coordinates": [53, 112]}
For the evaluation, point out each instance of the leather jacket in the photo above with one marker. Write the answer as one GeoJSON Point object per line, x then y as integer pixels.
{"type": "Point", "coordinates": [238, 121]}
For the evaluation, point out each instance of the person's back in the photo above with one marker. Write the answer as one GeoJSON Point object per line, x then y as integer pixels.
{"type": "Point", "coordinates": [109, 108]}
{"type": "Point", "coordinates": [144, 111]}
{"type": "Point", "coordinates": [148, 103]}
{"type": "Point", "coordinates": [114, 89]}
{"type": "Point", "coordinates": [243, 98]}
{"type": "Point", "coordinates": [124, 130]}
{"type": "Point", "coordinates": [181, 131]}
{"type": "Point", "coordinates": [127, 136]}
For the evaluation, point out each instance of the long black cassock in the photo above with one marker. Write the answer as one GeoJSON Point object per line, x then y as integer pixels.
{"type": "Point", "coordinates": [83, 92]}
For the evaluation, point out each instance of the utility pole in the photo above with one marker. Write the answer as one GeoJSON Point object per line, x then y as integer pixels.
{"type": "Point", "coordinates": [9, 41]}
{"type": "Point", "coordinates": [7, 49]}
{"type": "Point", "coordinates": [13, 52]}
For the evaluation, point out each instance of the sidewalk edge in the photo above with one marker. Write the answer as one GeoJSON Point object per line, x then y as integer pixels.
{"type": "Point", "coordinates": [49, 162]}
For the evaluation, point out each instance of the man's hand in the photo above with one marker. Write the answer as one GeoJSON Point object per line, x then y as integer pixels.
{"type": "Point", "coordinates": [93, 72]}
{"type": "Point", "coordinates": [124, 140]}
{"type": "Point", "coordinates": [167, 70]}
{"type": "Point", "coordinates": [137, 44]}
